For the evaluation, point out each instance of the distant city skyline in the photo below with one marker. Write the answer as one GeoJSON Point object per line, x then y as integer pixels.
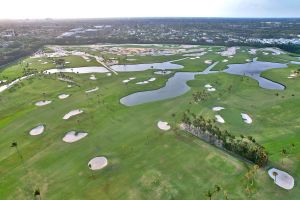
{"type": "Point", "coordinates": [36, 9]}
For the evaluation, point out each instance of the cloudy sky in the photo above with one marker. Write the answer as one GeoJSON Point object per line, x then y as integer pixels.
{"type": "Point", "coordinates": [147, 8]}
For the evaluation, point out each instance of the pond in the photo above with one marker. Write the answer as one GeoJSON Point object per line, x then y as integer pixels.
{"type": "Point", "coordinates": [118, 68]}
{"type": "Point", "coordinates": [254, 69]}
{"type": "Point", "coordinates": [175, 86]}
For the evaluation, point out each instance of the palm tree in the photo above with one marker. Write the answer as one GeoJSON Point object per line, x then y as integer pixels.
{"type": "Point", "coordinates": [37, 194]}
{"type": "Point", "coordinates": [283, 153]}
{"type": "Point", "coordinates": [174, 115]}
{"type": "Point", "coordinates": [275, 175]}
{"type": "Point", "coordinates": [15, 145]}
{"type": "Point", "coordinates": [209, 194]}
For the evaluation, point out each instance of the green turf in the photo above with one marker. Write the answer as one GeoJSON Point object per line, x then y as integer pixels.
{"type": "Point", "coordinates": [144, 162]}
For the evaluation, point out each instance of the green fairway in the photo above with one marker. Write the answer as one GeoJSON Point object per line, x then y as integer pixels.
{"type": "Point", "coordinates": [144, 162]}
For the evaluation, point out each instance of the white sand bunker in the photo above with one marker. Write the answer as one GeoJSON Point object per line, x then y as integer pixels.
{"type": "Point", "coordinates": [163, 126]}
{"type": "Point", "coordinates": [63, 96]}
{"type": "Point", "coordinates": [281, 178]}
{"type": "Point", "coordinates": [217, 108]}
{"type": "Point", "coordinates": [220, 119]}
{"type": "Point", "coordinates": [37, 130]}
{"type": "Point", "coordinates": [93, 77]}
{"type": "Point", "coordinates": [208, 62]}
{"type": "Point", "coordinates": [294, 74]}
{"type": "Point", "coordinates": [42, 103]}
{"type": "Point", "coordinates": [92, 90]}
{"type": "Point", "coordinates": [73, 136]}
{"type": "Point", "coordinates": [152, 79]}
{"type": "Point", "coordinates": [128, 80]}
{"type": "Point", "coordinates": [142, 83]}
{"type": "Point", "coordinates": [225, 61]}
{"type": "Point", "coordinates": [247, 119]}
{"type": "Point", "coordinates": [146, 82]}
{"type": "Point", "coordinates": [108, 74]}
{"type": "Point", "coordinates": [229, 51]}
{"type": "Point", "coordinates": [97, 163]}
{"type": "Point", "coordinates": [208, 86]}
{"type": "Point", "coordinates": [69, 86]}
{"type": "Point", "coordinates": [72, 113]}
{"type": "Point", "coordinates": [248, 60]}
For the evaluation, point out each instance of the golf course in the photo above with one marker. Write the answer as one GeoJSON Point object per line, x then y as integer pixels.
{"type": "Point", "coordinates": [105, 122]}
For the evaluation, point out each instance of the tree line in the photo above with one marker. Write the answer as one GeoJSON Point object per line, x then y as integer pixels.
{"type": "Point", "coordinates": [243, 146]}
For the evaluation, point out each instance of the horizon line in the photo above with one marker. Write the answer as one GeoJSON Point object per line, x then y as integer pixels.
{"type": "Point", "coordinates": [149, 17]}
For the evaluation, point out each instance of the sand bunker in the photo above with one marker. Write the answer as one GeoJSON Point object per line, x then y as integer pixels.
{"type": "Point", "coordinates": [92, 77]}
{"type": "Point", "coordinates": [229, 52]}
{"type": "Point", "coordinates": [275, 51]}
{"type": "Point", "coordinates": [42, 103]}
{"type": "Point", "coordinates": [208, 86]}
{"type": "Point", "coordinates": [252, 51]}
{"type": "Point", "coordinates": [211, 89]}
{"type": "Point", "coordinates": [247, 119]}
{"type": "Point", "coordinates": [146, 82]}
{"type": "Point", "coordinates": [248, 60]}
{"type": "Point", "coordinates": [282, 179]}
{"type": "Point", "coordinates": [225, 61]}
{"type": "Point", "coordinates": [69, 86]}
{"type": "Point", "coordinates": [97, 163]}
{"type": "Point", "coordinates": [294, 74]}
{"type": "Point", "coordinates": [152, 79]}
{"type": "Point", "coordinates": [72, 113]}
{"type": "Point", "coordinates": [63, 96]}
{"type": "Point", "coordinates": [128, 80]}
{"type": "Point", "coordinates": [142, 83]}
{"type": "Point", "coordinates": [217, 108]}
{"type": "Point", "coordinates": [163, 126]}
{"type": "Point", "coordinates": [220, 119]}
{"type": "Point", "coordinates": [73, 136]}
{"type": "Point", "coordinates": [208, 62]}
{"type": "Point", "coordinates": [108, 74]}
{"type": "Point", "coordinates": [92, 90]}
{"type": "Point", "coordinates": [37, 130]}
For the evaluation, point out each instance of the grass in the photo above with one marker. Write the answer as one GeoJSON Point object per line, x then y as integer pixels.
{"type": "Point", "coordinates": [144, 162]}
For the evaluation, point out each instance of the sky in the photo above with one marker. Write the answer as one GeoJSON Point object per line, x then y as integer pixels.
{"type": "Point", "coordinates": [31, 9]}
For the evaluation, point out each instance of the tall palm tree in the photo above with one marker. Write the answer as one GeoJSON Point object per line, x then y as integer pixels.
{"type": "Point", "coordinates": [209, 194]}
{"type": "Point", "coordinates": [283, 153]}
{"type": "Point", "coordinates": [37, 194]}
{"type": "Point", "coordinates": [15, 145]}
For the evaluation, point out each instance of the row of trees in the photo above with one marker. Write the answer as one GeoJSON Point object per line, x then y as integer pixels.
{"type": "Point", "coordinates": [246, 147]}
